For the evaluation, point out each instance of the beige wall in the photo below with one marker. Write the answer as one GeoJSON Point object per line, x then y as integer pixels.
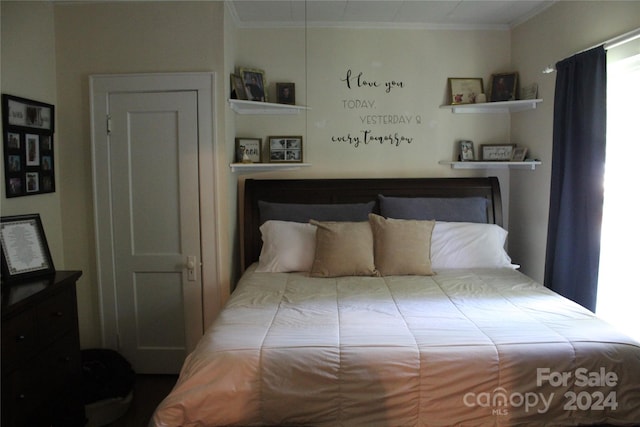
{"type": "Point", "coordinates": [228, 195]}
{"type": "Point", "coordinates": [421, 60]}
{"type": "Point", "coordinates": [119, 37]}
{"type": "Point", "coordinates": [562, 30]}
{"type": "Point", "coordinates": [123, 37]}
{"type": "Point", "coordinates": [28, 71]}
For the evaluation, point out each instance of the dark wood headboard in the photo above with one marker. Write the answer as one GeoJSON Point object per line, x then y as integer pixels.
{"type": "Point", "coordinates": [353, 191]}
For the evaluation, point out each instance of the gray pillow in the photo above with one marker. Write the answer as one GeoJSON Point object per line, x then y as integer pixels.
{"type": "Point", "coordinates": [463, 209]}
{"type": "Point", "coordinates": [321, 212]}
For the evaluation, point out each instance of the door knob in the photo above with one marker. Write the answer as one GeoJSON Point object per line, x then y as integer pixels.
{"type": "Point", "coordinates": [191, 268]}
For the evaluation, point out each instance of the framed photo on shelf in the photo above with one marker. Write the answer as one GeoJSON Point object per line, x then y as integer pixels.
{"type": "Point", "coordinates": [286, 93]}
{"type": "Point", "coordinates": [464, 90]}
{"type": "Point", "coordinates": [466, 151]}
{"type": "Point", "coordinates": [28, 128]}
{"type": "Point", "coordinates": [255, 84]}
{"type": "Point", "coordinates": [519, 154]}
{"type": "Point", "coordinates": [529, 91]}
{"type": "Point", "coordinates": [248, 150]}
{"type": "Point", "coordinates": [285, 149]}
{"type": "Point", "coordinates": [497, 152]}
{"type": "Point", "coordinates": [237, 87]}
{"type": "Point", "coordinates": [503, 87]}
{"type": "Point", "coordinates": [25, 252]}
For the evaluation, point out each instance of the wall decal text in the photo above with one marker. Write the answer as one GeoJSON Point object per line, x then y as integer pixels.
{"type": "Point", "coordinates": [364, 87]}
{"type": "Point", "coordinates": [359, 81]}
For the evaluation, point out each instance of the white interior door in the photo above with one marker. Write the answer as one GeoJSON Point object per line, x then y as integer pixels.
{"type": "Point", "coordinates": [148, 219]}
{"type": "Point", "coordinates": [154, 147]}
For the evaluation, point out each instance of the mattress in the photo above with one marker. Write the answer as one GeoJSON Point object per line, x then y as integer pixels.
{"type": "Point", "coordinates": [474, 347]}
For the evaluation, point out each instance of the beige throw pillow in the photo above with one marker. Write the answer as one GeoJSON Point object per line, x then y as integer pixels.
{"type": "Point", "coordinates": [402, 246]}
{"type": "Point", "coordinates": [343, 249]}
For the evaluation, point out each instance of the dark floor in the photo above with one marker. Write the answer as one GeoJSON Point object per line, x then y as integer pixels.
{"type": "Point", "coordinates": [148, 391]}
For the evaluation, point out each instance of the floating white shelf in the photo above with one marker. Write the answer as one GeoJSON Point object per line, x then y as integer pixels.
{"type": "Point", "coordinates": [265, 167]}
{"type": "Point", "coordinates": [492, 165]}
{"type": "Point", "coordinates": [494, 107]}
{"type": "Point", "coordinates": [242, 106]}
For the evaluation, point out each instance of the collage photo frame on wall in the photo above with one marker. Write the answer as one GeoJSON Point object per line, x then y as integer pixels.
{"type": "Point", "coordinates": [28, 146]}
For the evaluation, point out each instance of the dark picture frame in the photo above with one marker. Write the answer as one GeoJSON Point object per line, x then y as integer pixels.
{"type": "Point", "coordinates": [286, 93]}
{"type": "Point", "coordinates": [248, 150]}
{"type": "Point", "coordinates": [25, 252]}
{"type": "Point", "coordinates": [285, 149]}
{"type": "Point", "coordinates": [504, 87]}
{"type": "Point", "coordinates": [28, 128]}
{"type": "Point", "coordinates": [464, 90]}
{"type": "Point", "coordinates": [255, 84]}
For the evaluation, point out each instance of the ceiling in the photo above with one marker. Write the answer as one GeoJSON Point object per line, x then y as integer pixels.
{"type": "Point", "coordinates": [436, 14]}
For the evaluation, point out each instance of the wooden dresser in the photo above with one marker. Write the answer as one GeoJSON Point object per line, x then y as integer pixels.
{"type": "Point", "coordinates": [41, 359]}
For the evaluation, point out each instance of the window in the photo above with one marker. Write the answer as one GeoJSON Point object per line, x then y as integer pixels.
{"type": "Point", "coordinates": [619, 278]}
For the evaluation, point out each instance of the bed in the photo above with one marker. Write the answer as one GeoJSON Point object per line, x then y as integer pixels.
{"type": "Point", "coordinates": [392, 302]}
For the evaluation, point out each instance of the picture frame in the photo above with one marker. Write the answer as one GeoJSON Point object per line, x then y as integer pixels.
{"type": "Point", "coordinates": [464, 90]}
{"type": "Point", "coordinates": [286, 93]}
{"type": "Point", "coordinates": [529, 91]}
{"type": "Point", "coordinates": [285, 149]}
{"type": "Point", "coordinates": [255, 84]}
{"type": "Point", "coordinates": [32, 142]}
{"type": "Point", "coordinates": [25, 252]}
{"type": "Point", "coordinates": [237, 87]}
{"type": "Point", "coordinates": [27, 113]}
{"type": "Point", "coordinates": [519, 154]}
{"type": "Point", "coordinates": [248, 150]}
{"type": "Point", "coordinates": [497, 152]}
{"type": "Point", "coordinates": [503, 87]}
{"type": "Point", "coordinates": [466, 151]}
{"type": "Point", "coordinates": [29, 164]}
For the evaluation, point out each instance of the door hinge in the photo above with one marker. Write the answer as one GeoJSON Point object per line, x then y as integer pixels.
{"type": "Point", "coordinates": [108, 125]}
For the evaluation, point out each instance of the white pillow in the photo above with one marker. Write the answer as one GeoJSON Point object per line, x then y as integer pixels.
{"type": "Point", "coordinates": [287, 246]}
{"type": "Point", "coordinates": [468, 245]}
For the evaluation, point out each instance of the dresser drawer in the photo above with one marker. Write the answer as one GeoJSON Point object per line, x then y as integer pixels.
{"type": "Point", "coordinates": [28, 332]}
{"type": "Point", "coordinates": [61, 363]}
{"type": "Point", "coordinates": [41, 359]}
{"type": "Point", "coordinates": [56, 316]}
{"type": "Point", "coordinates": [25, 398]}
{"type": "Point", "coordinates": [19, 340]}
{"type": "Point", "coordinates": [41, 384]}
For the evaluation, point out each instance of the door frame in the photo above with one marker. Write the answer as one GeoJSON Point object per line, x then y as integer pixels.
{"type": "Point", "coordinates": [101, 85]}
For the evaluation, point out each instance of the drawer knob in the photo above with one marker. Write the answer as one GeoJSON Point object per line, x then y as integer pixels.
{"type": "Point", "coordinates": [57, 314]}
{"type": "Point", "coordinates": [20, 338]}
{"type": "Point", "coordinates": [22, 396]}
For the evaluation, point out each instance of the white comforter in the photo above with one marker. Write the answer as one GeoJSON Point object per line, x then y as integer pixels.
{"type": "Point", "coordinates": [463, 347]}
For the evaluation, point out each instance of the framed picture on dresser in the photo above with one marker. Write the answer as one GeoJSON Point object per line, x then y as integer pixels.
{"type": "Point", "coordinates": [25, 252]}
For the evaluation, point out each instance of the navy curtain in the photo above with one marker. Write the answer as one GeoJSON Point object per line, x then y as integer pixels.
{"type": "Point", "coordinates": [577, 175]}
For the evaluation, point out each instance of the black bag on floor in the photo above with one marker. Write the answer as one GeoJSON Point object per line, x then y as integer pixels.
{"type": "Point", "coordinates": [106, 374]}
